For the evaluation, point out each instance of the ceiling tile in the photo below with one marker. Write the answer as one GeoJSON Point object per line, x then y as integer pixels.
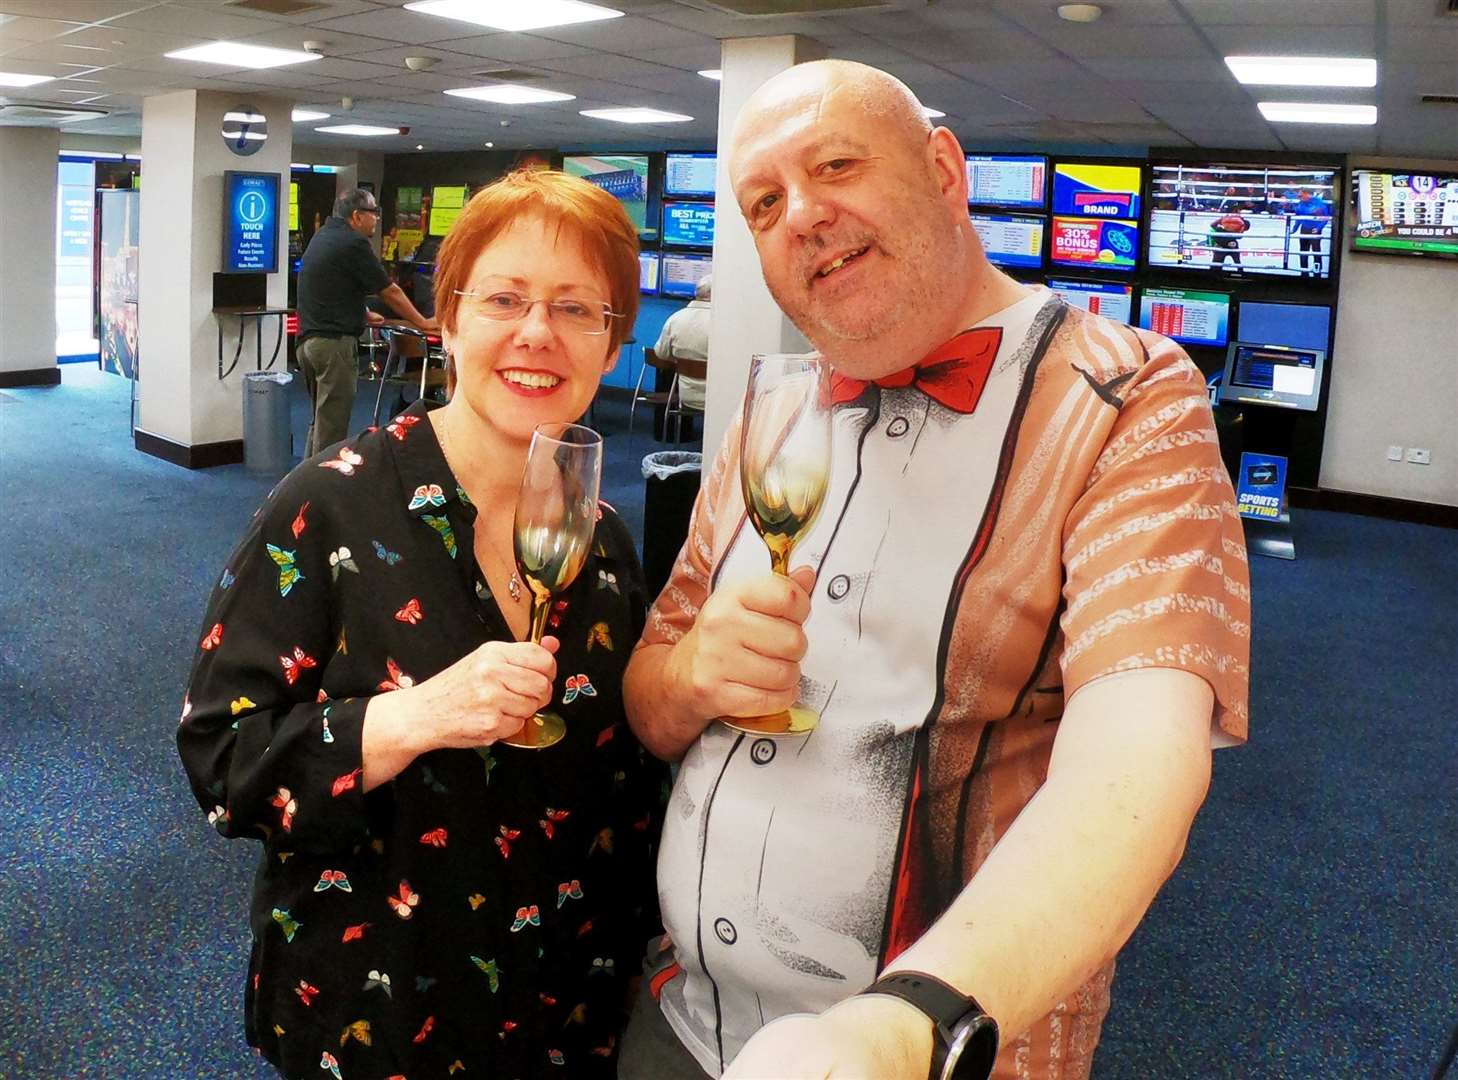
{"type": "Point", "coordinates": [17, 28]}
{"type": "Point", "coordinates": [1284, 13]}
{"type": "Point", "coordinates": [204, 24]}
{"type": "Point", "coordinates": [74, 10]}
{"type": "Point", "coordinates": [1319, 39]}
{"type": "Point", "coordinates": [514, 48]}
{"type": "Point", "coordinates": [396, 24]}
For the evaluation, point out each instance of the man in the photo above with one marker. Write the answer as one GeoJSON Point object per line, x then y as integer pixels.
{"type": "Point", "coordinates": [1029, 618]}
{"type": "Point", "coordinates": [685, 336]}
{"type": "Point", "coordinates": [1224, 239]}
{"type": "Point", "coordinates": [340, 270]}
{"type": "Point", "coordinates": [1313, 215]}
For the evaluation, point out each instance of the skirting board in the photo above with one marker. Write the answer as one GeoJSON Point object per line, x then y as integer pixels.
{"type": "Point", "coordinates": [202, 456]}
{"type": "Point", "coordinates": [46, 376]}
{"type": "Point", "coordinates": [1354, 502]}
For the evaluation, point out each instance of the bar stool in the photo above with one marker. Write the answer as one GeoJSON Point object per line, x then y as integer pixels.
{"type": "Point", "coordinates": [684, 369]}
{"type": "Point", "coordinates": [654, 397]}
{"type": "Point", "coordinates": [406, 344]}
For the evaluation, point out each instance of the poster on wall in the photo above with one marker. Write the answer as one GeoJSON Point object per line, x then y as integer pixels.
{"type": "Point", "coordinates": [1261, 490]}
{"type": "Point", "coordinates": [446, 204]}
{"type": "Point", "coordinates": [117, 284]}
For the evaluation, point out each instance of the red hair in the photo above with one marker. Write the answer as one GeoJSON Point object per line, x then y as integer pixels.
{"type": "Point", "coordinates": [608, 235]}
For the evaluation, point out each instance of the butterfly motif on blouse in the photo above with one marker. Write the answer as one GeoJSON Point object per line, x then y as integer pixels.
{"type": "Point", "coordinates": [341, 559]}
{"type": "Point", "coordinates": [241, 705]}
{"type": "Point", "coordinates": [601, 966]}
{"type": "Point", "coordinates": [328, 1061]}
{"type": "Point", "coordinates": [434, 838]}
{"type": "Point", "coordinates": [425, 1030]}
{"type": "Point", "coordinates": [390, 557]}
{"type": "Point", "coordinates": [441, 524]}
{"type": "Point", "coordinates": [487, 759]}
{"type": "Point", "coordinates": [333, 879]}
{"type": "Point", "coordinates": [568, 890]}
{"type": "Point", "coordinates": [475, 900]}
{"type": "Point", "coordinates": [504, 840]}
{"type": "Point", "coordinates": [300, 524]}
{"type": "Point", "coordinates": [428, 779]}
{"type": "Point", "coordinates": [398, 680]}
{"type": "Point", "coordinates": [493, 973]}
{"type": "Point", "coordinates": [600, 634]}
{"type": "Point", "coordinates": [575, 685]}
{"type": "Point", "coordinates": [526, 916]}
{"type": "Point", "coordinates": [287, 923]}
{"type": "Point", "coordinates": [288, 805]}
{"type": "Point", "coordinates": [359, 1031]}
{"type": "Point", "coordinates": [346, 462]}
{"type": "Point", "coordinates": [404, 904]}
{"type": "Point", "coordinates": [288, 572]}
{"type": "Point", "coordinates": [553, 818]}
{"type": "Point", "coordinates": [307, 993]}
{"type": "Point", "coordinates": [606, 579]}
{"type": "Point", "coordinates": [218, 817]}
{"type": "Point", "coordinates": [212, 639]}
{"type": "Point", "coordinates": [355, 933]}
{"type": "Point", "coordinates": [555, 1057]}
{"type": "Point", "coordinates": [411, 612]}
{"type": "Point", "coordinates": [293, 665]}
{"type": "Point", "coordinates": [346, 782]}
{"type": "Point", "coordinates": [427, 495]}
{"type": "Point", "coordinates": [401, 425]}
{"type": "Point", "coordinates": [226, 581]}
{"type": "Point", "coordinates": [379, 980]}
{"type": "Point", "coordinates": [328, 735]}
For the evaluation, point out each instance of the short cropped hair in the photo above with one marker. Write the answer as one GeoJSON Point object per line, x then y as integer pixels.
{"type": "Point", "coordinates": [608, 236]}
{"type": "Point", "coordinates": [704, 290]}
{"type": "Point", "coordinates": [352, 200]}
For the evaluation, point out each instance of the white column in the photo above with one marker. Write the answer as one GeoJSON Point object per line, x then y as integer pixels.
{"type": "Point", "coordinates": [184, 406]}
{"type": "Point", "coordinates": [745, 319]}
{"type": "Point", "coordinates": [28, 176]}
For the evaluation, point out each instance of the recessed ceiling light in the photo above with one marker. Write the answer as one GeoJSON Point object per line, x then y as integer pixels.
{"type": "Point", "coordinates": [1084, 13]}
{"type": "Point", "coordinates": [931, 114]}
{"type": "Point", "coordinates": [510, 94]}
{"type": "Point", "coordinates": [358, 129]}
{"type": "Point", "coordinates": [420, 146]}
{"type": "Point", "coordinates": [1303, 70]}
{"type": "Point", "coordinates": [713, 73]}
{"type": "Point", "coordinates": [86, 48]}
{"type": "Point", "coordinates": [11, 78]}
{"type": "Point", "coordinates": [1304, 112]}
{"type": "Point", "coordinates": [636, 116]}
{"type": "Point", "coordinates": [303, 116]}
{"type": "Point", "coordinates": [490, 145]}
{"type": "Point", "coordinates": [513, 14]}
{"type": "Point", "coordinates": [234, 54]}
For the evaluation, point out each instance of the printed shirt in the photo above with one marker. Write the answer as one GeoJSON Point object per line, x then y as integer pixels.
{"type": "Point", "coordinates": [974, 570]}
{"type": "Point", "coordinates": [485, 909]}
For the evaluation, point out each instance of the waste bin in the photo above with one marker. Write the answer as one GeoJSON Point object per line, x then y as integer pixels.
{"type": "Point", "coordinates": [268, 444]}
{"type": "Point", "coordinates": [672, 485]}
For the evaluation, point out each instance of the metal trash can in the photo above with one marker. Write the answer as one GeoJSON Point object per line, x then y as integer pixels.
{"type": "Point", "coordinates": [672, 484]}
{"type": "Point", "coordinates": [268, 441]}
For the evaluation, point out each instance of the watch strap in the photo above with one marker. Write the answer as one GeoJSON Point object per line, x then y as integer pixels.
{"type": "Point", "coordinates": [965, 1039]}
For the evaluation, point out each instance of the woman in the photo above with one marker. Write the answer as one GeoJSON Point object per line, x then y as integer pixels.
{"type": "Point", "coordinates": [429, 903]}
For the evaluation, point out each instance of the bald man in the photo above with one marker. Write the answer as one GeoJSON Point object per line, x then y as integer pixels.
{"type": "Point", "coordinates": [1023, 619]}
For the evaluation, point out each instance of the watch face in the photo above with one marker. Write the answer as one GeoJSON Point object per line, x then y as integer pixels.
{"type": "Point", "coordinates": [971, 1050]}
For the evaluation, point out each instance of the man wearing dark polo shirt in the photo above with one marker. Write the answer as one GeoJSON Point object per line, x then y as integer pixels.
{"type": "Point", "coordinates": [340, 270]}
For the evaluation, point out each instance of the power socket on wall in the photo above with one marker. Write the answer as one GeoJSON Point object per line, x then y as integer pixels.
{"type": "Point", "coordinates": [1394, 453]}
{"type": "Point", "coordinates": [1417, 455]}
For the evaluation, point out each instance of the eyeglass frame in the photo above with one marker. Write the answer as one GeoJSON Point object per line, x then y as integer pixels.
{"type": "Point", "coordinates": [529, 303]}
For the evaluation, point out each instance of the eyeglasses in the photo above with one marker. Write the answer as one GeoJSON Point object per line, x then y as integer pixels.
{"type": "Point", "coordinates": [582, 316]}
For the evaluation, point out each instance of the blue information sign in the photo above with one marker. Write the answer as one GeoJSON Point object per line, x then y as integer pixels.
{"type": "Point", "coordinates": [1261, 491]}
{"type": "Point", "coordinates": [250, 223]}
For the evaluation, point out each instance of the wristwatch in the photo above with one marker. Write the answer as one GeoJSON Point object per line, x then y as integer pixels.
{"type": "Point", "coordinates": [965, 1046]}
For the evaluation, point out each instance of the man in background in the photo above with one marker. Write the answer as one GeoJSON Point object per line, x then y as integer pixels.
{"type": "Point", "coordinates": [340, 270]}
{"type": "Point", "coordinates": [685, 336]}
{"type": "Point", "coordinates": [1313, 215]}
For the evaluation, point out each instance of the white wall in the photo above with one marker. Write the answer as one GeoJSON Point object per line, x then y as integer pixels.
{"type": "Point", "coordinates": [1394, 374]}
{"type": "Point", "coordinates": [28, 248]}
{"type": "Point", "coordinates": [108, 144]}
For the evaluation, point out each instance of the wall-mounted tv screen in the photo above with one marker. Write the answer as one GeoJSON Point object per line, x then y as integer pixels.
{"type": "Point", "coordinates": [1094, 244]}
{"type": "Point", "coordinates": [1298, 326]}
{"type": "Point", "coordinates": [690, 174]}
{"type": "Point", "coordinates": [1192, 318]}
{"type": "Point", "coordinates": [1107, 298]}
{"type": "Point", "coordinates": [1242, 219]}
{"type": "Point", "coordinates": [1011, 181]}
{"type": "Point", "coordinates": [623, 176]}
{"type": "Point", "coordinates": [648, 271]}
{"type": "Point", "coordinates": [1011, 239]}
{"type": "Point", "coordinates": [688, 224]}
{"type": "Point", "coordinates": [250, 222]}
{"type": "Point", "coordinates": [682, 274]}
{"type": "Point", "coordinates": [1096, 191]}
{"type": "Point", "coordinates": [1406, 213]}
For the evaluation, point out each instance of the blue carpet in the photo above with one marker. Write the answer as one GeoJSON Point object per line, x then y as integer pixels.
{"type": "Point", "coordinates": [1310, 932]}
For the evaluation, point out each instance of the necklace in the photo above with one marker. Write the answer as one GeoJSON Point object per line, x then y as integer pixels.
{"type": "Point", "coordinates": [513, 583]}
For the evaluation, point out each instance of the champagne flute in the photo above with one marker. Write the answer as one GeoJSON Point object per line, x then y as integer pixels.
{"type": "Point", "coordinates": [556, 517]}
{"type": "Point", "coordinates": [784, 468]}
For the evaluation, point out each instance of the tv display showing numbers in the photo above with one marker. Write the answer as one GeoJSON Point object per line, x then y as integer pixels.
{"type": "Point", "coordinates": [1094, 244]}
{"type": "Point", "coordinates": [688, 224]}
{"type": "Point", "coordinates": [1242, 219]}
{"type": "Point", "coordinates": [1096, 191]}
{"type": "Point", "coordinates": [690, 174]}
{"type": "Point", "coordinates": [1012, 181]}
{"type": "Point", "coordinates": [1193, 318]}
{"type": "Point", "coordinates": [623, 176]}
{"type": "Point", "coordinates": [1406, 213]}
{"type": "Point", "coordinates": [1107, 298]}
{"type": "Point", "coordinates": [1011, 239]}
{"type": "Point", "coordinates": [648, 271]}
{"type": "Point", "coordinates": [682, 273]}
{"type": "Point", "coordinates": [250, 222]}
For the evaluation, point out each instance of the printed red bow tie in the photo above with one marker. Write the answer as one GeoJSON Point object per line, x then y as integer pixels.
{"type": "Point", "coordinates": [953, 374]}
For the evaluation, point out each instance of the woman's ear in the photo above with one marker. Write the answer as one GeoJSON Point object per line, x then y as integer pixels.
{"type": "Point", "coordinates": [611, 361]}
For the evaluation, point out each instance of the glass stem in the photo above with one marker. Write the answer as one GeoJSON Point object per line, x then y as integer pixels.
{"type": "Point", "coordinates": [541, 606]}
{"type": "Point", "coordinates": [780, 560]}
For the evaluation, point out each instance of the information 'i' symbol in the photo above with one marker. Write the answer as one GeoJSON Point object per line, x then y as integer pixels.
{"type": "Point", "coordinates": [252, 208]}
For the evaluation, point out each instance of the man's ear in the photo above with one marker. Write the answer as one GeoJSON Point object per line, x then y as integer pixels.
{"type": "Point", "coordinates": [949, 164]}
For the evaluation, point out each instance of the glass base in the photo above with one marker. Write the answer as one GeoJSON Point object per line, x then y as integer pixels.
{"type": "Point", "coordinates": [796, 720]}
{"type": "Point", "coordinates": [541, 731]}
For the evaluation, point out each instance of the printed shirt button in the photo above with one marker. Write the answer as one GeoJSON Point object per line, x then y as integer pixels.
{"type": "Point", "coordinates": [725, 932]}
{"type": "Point", "coordinates": [762, 752]}
{"type": "Point", "coordinates": [897, 427]}
{"type": "Point", "coordinates": [838, 587]}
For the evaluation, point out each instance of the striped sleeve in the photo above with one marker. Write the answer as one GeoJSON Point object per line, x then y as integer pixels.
{"type": "Point", "coordinates": [1153, 550]}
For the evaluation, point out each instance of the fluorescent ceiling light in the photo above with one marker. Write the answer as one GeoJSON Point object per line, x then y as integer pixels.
{"type": "Point", "coordinates": [713, 73]}
{"type": "Point", "coordinates": [233, 54]}
{"type": "Point", "coordinates": [931, 114]}
{"type": "Point", "coordinates": [244, 118]}
{"type": "Point", "coordinates": [635, 116]}
{"type": "Point", "coordinates": [510, 94]}
{"type": "Point", "coordinates": [303, 116]}
{"type": "Point", "coordinates": [1303, 112]}
{"type": "Point", "coordinates": [11, 78]}
{"type": "Point", "coordinates": [1303, 70]}
{"type": "Point", "coordinates": [358, 129]}
{"type": "Point", "coordinates": [513, 14]}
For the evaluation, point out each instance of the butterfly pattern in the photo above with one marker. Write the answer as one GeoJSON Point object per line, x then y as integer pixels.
{"type": "Point", "coordinates": [488, 880]}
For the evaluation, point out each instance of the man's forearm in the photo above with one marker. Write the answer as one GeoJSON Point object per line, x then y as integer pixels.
{"type": "Point", "coordinates": [395, 296]}
{"type": "Point", "coordinates": [663, 724]}
{"type": "Point", "coordinates": [1070, 880]}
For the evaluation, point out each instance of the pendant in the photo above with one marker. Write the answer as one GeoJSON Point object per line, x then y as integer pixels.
{"type": "Point", "coordinates": [513, 586]}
